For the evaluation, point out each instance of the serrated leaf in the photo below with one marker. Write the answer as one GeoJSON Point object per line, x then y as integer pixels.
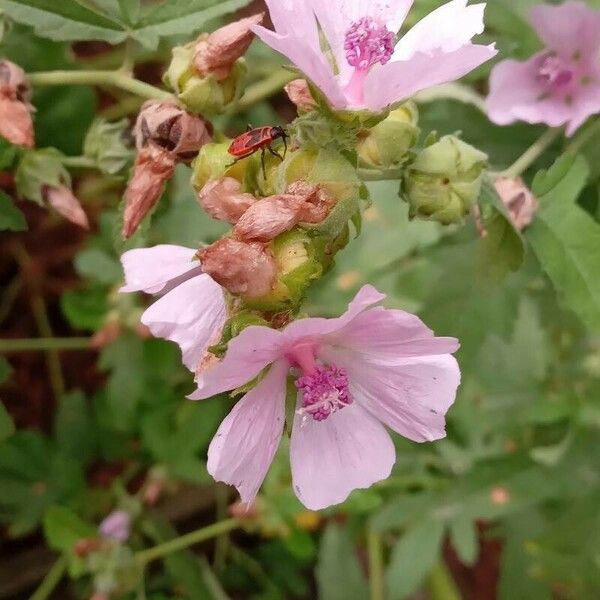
{"type": "Point", "coordinates": [74, 427]}
{"type": "Point", "coordinates": [11, 217]}
{"type": "Point", "coordinates": [63, 528]}
{"type": "Point", "coordinates": [413, 556]}
{"type": "Point", "coordinates": [566, 240]}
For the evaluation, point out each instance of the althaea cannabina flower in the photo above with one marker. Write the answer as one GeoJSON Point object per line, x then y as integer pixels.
{"type": "Point", "coordinates": [191, 310]}
{"type": "Point", "coordinates": [560, 85]}
{"type": "Point", "coordinates": [116, 526]}
{"type": "Point", "coordinates": [371, 366]}
{"type": "Point", "coordinates": [372, 71]}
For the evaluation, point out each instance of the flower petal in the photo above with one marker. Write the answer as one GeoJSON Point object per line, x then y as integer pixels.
{"type": "Point", "coordinates": [569, 28]}
{"type": "Point", "coordinates": [151, 269]}
{"type": "Point", "coordinates": [191, 315]}
{"type": "Point", "coordinates": [400, 80]}
{"type": "Point", "coordinates": [347, 451]}
{"type": "Point", "coordinates": [243, 448]}
{"type": "Point", "coordinates": [411, 396]}
{"type": "Point", "coordinates": [447, 28]}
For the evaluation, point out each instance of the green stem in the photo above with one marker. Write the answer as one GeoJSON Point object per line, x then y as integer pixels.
{"type": "Point", "coordinates": [583, 138]}
{"type": "Point", "coordinates": [43, 344]}
{"type": "Point", "coordinates": [440, 584]}
{"type": "Point", "coordinates": [184, 541]}
{"type": "Point", "coordinates": [375, 549]}
{"type": "Point", "coordinates": [380, 174]}
{"type": "Point", "coordinates": [452, 91]}
{"type": "Point", "coordinates": [222, 542]}
{"type": "Point", "coordinates": [116, 79]}
{"type": "Point", "coordinates": [264, 89]}
{"type": "Point", "coordinates": [532, 154]}
{"type": "Point", "coordinates": [52, 579]}
{"type": "Point", "coordinates": [78, 162]}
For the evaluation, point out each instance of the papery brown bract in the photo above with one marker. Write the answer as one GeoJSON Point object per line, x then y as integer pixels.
{"type": "Point", "coordinates": [299, 93]}
{"type": "Point", "coordinates": [520, 202]}
{"type": "Point", "coordinates": [224, 200]}
{"type": "Point", "coordinates": [16, 124]}
{"type": "Point", "coordinates": [247, 269]}
{"type": "Point", "coordinates": [64, 202]}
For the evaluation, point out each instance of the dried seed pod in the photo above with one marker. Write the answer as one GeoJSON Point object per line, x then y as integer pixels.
{"type": "Point", "coordinates": [246, 269]}
{"type": "Point", "coordinates": [216, 54]}
{"type": "Point", "coordinates": [224, 200]}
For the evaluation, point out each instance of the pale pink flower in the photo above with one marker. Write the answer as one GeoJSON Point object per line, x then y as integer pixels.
{"type": "Point", "coordinates": [370, 368]}
{"type": "Point", "coordinates": [561, 84]}
{"type": "Point", "coordinates": [116, 526]}
{"type": "Point", "coordinates": [191, 310]}
{"type": "Point", "coordinates": [367, 69]}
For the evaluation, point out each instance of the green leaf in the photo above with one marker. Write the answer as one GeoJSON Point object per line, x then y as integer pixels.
{"type": "Point", "coordinates": [98, 266]}
{"type": "Point", "coordinates": [74, 427]}
{"type": "Point", "coordinates": [502, 250]}
{"type": "Point", "coordinates": [338, 572]}
{"type": "Point", "coordinates": [5, 370]}
{"type": "Point", "coordinates": [7, 427]}
{"type": "Point", "coordinates": [413, 556]}
{"type": "Point", "coordinates": [463, 535]}
{"type": "Point", "coordinates": [85, 309]}
{"type": "Point", "coordinates": [63, 528]}
{"type": "Point", "coordinates": [8, 153]}
{"type": "Point", "coordinates": [11, 217]}
{"type": "Point", "coordinates": [566, 239]}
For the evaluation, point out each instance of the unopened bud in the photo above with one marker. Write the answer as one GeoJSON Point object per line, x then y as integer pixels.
{"type": "Point", "coordinates": [224, 200]}
{"type": "Point", "coordinates": [16, 124]}
{"type": "Point", "coordinates": [521, 204]}
{"type": "Point", "coordinates": [64, 202]}
{"type": "Point", "coordinates": [166, 126]}
{"type": "Point", "coordinates": [299, 93]}
{"type": "Point", "coordinates": [445, 180]}
{"type": "Point", "coordinates": [109, 146]}
{"type": "Point", "coordinates": [116, 526]}
{"type": "Point", "coordinates": [153, 168]}
{"type": "Point", "coordinates": [386, 145]}
{"type": "Point", "coordinates": [216, 53]}
{"type": "Point", "coordinates": [245, 269]}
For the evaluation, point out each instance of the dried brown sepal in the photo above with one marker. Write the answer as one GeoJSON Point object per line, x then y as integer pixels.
{"type": "Point", "coordinates": [299, 93]}
{"type": "Point", "coordinates": [521, 204]}
{"type": "Point", "coordinates": [16, 124]}
{"type": "Point", "coordinates": [64, 202]}
{"type": "Point", "coordinates": [246, 269]}
{"type": "Point", "coordinates": [14, 83]}
{"type": "Point", "coordinates": [87, 546]}
{"type": "Point", "coordinates": [224, 200]}
{"type": "Point", "coordinates": [153, 168]}
{"type": "Point", "coordinates": [169, 127]}
{"type": "Point", "coordinates": [317, 202]}
{"type": "Point", "coordinates": [106, 336]}
{"type": "Point", "coordinates": [216, 53]}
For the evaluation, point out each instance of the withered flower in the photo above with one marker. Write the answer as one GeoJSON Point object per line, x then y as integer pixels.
{"type": "Point", "coordinates": [216, 53]}
{"type": "Point", "coordinates": [246, 269]}
{"type": "Point", "coordinates": [16, 124]}
{"type": "Point", "coordinates": [224, 200]}
{"type": "Point", "coordinates": [518, 199]}
{"type": "Point", "coordinates": [299, 93]}
{"type": "Point", "coordinates": [64, 202]}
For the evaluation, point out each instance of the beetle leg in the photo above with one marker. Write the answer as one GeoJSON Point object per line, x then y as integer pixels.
{"type": "Point", "coordinates": [262, 160]}
{"type": "Point", "coordinates": [275, 153]}
{"type": "Point", "coordinates": [235, 162]}
{"type": "Point", "coordinates": [284, 146]}
{"type": "Point", "coordinates": [249, 127]}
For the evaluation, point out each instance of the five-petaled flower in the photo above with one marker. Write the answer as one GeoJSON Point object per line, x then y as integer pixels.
{"type": "Point", "coordinates": [561, 84]}
{"type": "Point", "coordinates": [371, 366]}
{"type": "Point", "coordinates": [366, 68]}
{"type": "Point", "coordinates": [191, 310]}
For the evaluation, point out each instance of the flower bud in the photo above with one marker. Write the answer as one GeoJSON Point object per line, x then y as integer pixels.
{"type": "Point", "coordinates": [16, 124]}
{"type": "Point", "coordinates": [203, 94]}
{"type": "Point", "coordinates": [116, 526]}
{"type": "Point", "coordinates": [386, 145]}
{"type": "Point", "coordinates": [521, 204]}
{"type": "Point", "coordinates": [214, 162]}
{"type": "Point", "coordinates": [299, 93]}
{"type": "Point", "coordinates": [216, 53]}
{"type": "Point", "coordinates": [445, 180]}
{"type": "Point", "coordinates": [245, 269]}
{"type": "Point", "coordinates": [108, 145]}
{"type": "Point", "coordinates": [224, 200]}
{"type": "Point", "coordinates": [64, 202]}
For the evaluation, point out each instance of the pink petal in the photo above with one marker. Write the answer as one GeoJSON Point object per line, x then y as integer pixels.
{"type": "Point", "coordinates": [398, 81]}
{"type": "Point", "coordinates": [586, 104]}
{"type": "Point", "coordinates": [569, 28]}
{"type": "Point", "coordinates": [347, 451]}
{"type": "Point", "coordinates": [515, 94]}
{"type": "Point", "coordinates": [411, 396]}
{"type": "Point", "coordinates": [387, 334]}
{"type": "Point", "coordinates": [247, 355]}
{"type": "Point", "coordinates": [191, 315]}
{"type": "Point", "coordinates": [243, 448]}
{"type": "Point", "coordinates": [151, 269]}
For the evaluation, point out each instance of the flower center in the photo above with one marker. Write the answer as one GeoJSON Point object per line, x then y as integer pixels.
{"type": "Point", "coordinates": [367, 43]}
{"type": "Point", "coordinates": [324, 391]}
{"type": "Point", "coordinates": [555, 72]}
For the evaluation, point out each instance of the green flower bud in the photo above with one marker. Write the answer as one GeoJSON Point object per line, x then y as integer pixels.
{"type": "Point", "coordinates": [214, 162]}
{"type": "Point", "coordinates": [108, 146]}
{"type": "Point", "coordinates": [386, 145]}
{"type": "Point", "coordinates": [445, 180]}
{"type": "Point", "coordinates": [203, 94]}
{"type": "Point", "coordinates": [39, 170]}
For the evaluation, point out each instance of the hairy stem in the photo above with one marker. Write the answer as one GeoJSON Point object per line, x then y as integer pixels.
{"type": "Point", "coordinates": [78, 162]}
{"type": "Point", "coordinates": [264, 89]}
{"type": "Point", "coordinates": [51, 580]}
{"type": "Point", "coordinates": [452, 91]}
{"type": "Point", "coordinates": [380, 174]}
{"type": "Point", "coordinates": [116, 79]}
{"type": "Point", "coordinates": [375, 549]}
{"type": "Point", "coordinates": [43, 344]}
{"type": "Point", "coordinates": [440, 584]}
{"type": "Point", "coordinates": [532, 154]}
{"type": "Point", "coordinates": [184, 541]}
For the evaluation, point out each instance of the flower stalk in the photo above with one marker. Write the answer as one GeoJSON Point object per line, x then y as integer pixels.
{"type": "Point", "coordinates": [532, 154]}
{"type": "Point", "coordinates": [51, 580]}
{"type": "Point", "coordinates": [44, 344]}
{"type": "Point", "coordinates": [375, 552]}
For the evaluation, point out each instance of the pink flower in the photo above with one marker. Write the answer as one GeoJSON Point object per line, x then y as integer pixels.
{"type": "Point", "coordinates": [116, 526]}
{"type": "Point", "coordinates": [371, 70]}
{"type": "Point", "coordinates": [354, 374]}
{"type": "Point", "coordinates": [560, 85]}
{"type": "Point", "coordinates": [191, 310]}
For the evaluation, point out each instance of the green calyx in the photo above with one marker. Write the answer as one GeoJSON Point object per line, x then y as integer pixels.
{"type": "Point", "coordinates": [106, 144]}
{"type": "Point", "coordinates": [213, 162]}
{"type": "Point", "coordinates": [444, 181]}
{"type": "Point", "coordinates": [233, 327]}
{"type": "Point", "coordinates": [37, 170]}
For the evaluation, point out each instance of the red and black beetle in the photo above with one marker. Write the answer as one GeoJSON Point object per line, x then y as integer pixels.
{"type": "Point", "coordinates": [261, 139]}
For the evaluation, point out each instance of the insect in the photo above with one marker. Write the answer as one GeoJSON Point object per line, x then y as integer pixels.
{"type": "Point", "coordinates": [261, 139]}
